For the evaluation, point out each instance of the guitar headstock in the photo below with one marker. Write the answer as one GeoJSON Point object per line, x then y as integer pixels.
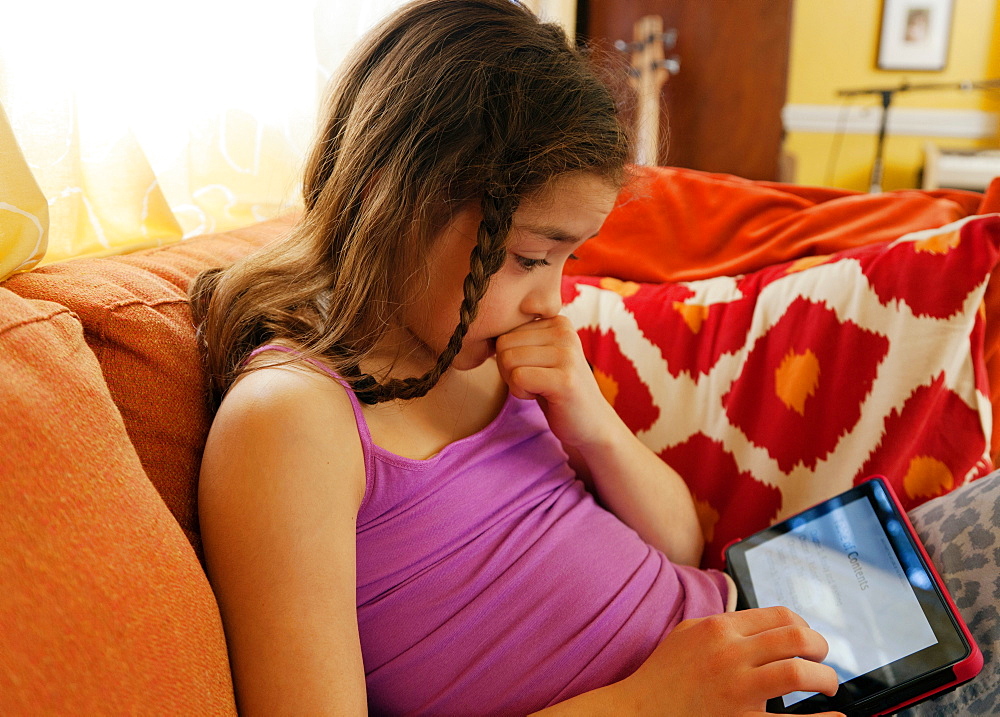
{"type": "Point", "coordinates": [650, 64]}
{"type": "Point", "coordinates": [650, 69]}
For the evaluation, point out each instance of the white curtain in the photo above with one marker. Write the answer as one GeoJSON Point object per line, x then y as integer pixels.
{"type": "Point", "coordinates": [145, 121]}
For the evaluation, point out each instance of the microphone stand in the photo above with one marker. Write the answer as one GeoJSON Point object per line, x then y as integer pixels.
{"type": "Point", "coordinates": [887, 94]}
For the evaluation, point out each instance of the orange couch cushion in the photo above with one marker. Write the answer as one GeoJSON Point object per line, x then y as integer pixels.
{"type": "Point", "coordinates": [675, 224]}
{"type": "Point", "coordinates": [991, 202]}
{"type": "Point", "coordinates": [137, 321]}
{"type": "Point", "coordinates": [104, 608]}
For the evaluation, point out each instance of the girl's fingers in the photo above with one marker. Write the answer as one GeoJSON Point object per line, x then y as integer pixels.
{"type": "Point", "coordinates": [523, 369]}
{"type": "Point", "coordinates": [525, 331]}
{"type": "Point", "coordinates": [543, 356]}
{"type": "Point", "coordinates": [762, 619]}
{"type": "Point", "coordinates": [774, 640]}
{"type": "Point", "coordinates": [795, 675]}
{"type": "Point", "coordinates": [789, 641]}
{"type": "Point", "coordinates": [532, 382]}
{"type": "Point", "coordinates": [533, 333]}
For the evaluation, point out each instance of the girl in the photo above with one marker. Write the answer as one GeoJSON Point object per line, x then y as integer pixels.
{"type": "Point", "coordinates": [389, 501]}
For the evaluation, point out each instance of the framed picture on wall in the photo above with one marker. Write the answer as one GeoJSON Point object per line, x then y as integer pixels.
{"type": "Point", "coordinates": [915, 34]}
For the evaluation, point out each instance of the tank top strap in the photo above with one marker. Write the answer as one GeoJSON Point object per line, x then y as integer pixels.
{"type": "Point", "coordinates": [359, 418]}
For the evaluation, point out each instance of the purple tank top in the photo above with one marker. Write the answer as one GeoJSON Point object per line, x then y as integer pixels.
{"type": "Point", "coordinates": [490, 582]}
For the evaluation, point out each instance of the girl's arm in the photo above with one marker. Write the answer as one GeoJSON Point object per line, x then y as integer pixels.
{"type": "Point", "coordinates": [643, 491]}
{"type": "Point", "coordinates": [544, 360]}
{"type": "Point", "coordinates": [278, 502]}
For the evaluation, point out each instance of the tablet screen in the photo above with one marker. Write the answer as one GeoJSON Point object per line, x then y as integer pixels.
{"type": "Point", "coordinates": [841, 574]}
{"type": "Point", "coordinates": [850, 567]}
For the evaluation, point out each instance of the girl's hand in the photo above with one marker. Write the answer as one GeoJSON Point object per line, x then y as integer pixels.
{"type": "Point", "coordinates": [544, 360]}
{"type": "Point", "coordinates": [731, 664]}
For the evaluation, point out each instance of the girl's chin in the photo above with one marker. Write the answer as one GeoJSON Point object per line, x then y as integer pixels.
{"type": "Point", "coordinates": [474, 356]}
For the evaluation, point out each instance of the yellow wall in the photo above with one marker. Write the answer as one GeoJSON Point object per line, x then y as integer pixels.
{"type": "Point", "coordinates": [834, 46]}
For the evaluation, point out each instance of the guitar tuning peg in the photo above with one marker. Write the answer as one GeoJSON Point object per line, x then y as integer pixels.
{"type": "Point", "coordinates": [671, 64]}
{"type": "Point", "coordinates": [668, 38]}
{"type": "Point", "coordinates": [623, 46]}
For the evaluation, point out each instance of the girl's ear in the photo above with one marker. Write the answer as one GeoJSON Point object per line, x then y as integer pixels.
{"type": "Point", "coordinates": [466, 222]}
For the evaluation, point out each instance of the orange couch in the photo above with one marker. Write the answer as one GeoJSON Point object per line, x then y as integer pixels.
{"type": "Point", "coordinates": [104, 606]}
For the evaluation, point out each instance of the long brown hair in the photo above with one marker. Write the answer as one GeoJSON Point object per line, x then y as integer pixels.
{"type": "Point", "coordinates": [447, 103]}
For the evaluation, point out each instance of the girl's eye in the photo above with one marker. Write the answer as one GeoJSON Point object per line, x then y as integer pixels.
{"type": "Point", "coordinates": [529, 264]}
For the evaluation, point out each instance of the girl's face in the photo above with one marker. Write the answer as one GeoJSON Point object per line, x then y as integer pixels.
{"type": "Point", "coordinates": [547, 229]}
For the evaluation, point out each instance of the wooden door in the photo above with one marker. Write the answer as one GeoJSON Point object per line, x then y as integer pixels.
{"type": "Point", "coordinates": [722, 111]}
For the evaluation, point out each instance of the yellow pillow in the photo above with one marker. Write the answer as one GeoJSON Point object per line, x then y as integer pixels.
{"type": "Point", "coordinates": [24, 213]}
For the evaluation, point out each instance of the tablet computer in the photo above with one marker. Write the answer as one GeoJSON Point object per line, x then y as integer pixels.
{"type": "Point", "coordinates": [855, 570]}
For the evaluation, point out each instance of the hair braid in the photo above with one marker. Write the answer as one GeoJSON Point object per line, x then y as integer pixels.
{"type": "Point", "coordinates": [486, 260]}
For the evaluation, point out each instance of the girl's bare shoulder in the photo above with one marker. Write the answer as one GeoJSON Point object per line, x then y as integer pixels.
{"type": "Point", "coordinates": [289, 419]}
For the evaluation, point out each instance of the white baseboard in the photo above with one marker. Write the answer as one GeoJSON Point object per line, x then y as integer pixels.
{"type": "Point", "coordinates": [865, 119]}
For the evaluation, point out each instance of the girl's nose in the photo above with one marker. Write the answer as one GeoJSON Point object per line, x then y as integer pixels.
{"type": "Point", "coordinates": [545, 300]}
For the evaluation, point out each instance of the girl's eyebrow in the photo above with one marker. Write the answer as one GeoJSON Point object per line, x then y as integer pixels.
{"type": "Point", "coordinates": [554, 233]}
